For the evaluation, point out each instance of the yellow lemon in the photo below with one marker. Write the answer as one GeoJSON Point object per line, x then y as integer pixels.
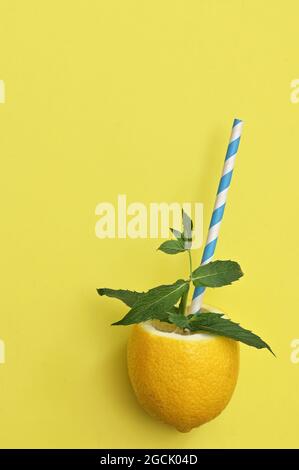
{"type": "Point", "coordinates": [184, 380]}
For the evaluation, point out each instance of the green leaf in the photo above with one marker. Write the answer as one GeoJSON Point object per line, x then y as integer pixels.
{"type": "Point", "coordinates": [216, 274]}
{"type": "Point", "coordinates": [179, 320]}
{"type": "Point", "coordinates": [165, 316]}
{"type": "Point", "coordinates": [184, 301]}
{"type": "Point", "coordinates": [187, 222]}
{"type": "Point", "coordinates": [172, 247]}
{"type": "Point", "coordinates": [178, 235]}
{"type": "Point", "coordinates": [154, 303]}
{"type": "Point", "coordinates": [215, 323]}
{"type": "Point", "coordinates": [129, 297]}
{"type": "Point", "coordinates": [187, 230]}
{"type": "Point", "coordinates": [183, 240]}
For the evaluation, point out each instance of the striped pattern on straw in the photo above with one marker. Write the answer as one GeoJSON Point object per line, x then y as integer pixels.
{"type": "Point", "coordinates": [219, 207]}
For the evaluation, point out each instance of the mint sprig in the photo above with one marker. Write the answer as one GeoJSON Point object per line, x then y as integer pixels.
{"type": "Point", "coordinates": [183, 240]}
{"type": "Point", "coordinates": [168, 303]}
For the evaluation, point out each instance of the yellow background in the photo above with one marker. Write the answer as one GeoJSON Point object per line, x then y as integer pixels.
{"type": "Point", "coordinates": [137, 97]}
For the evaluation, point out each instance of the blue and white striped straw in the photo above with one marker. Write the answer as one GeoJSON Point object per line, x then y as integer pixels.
{"type": "Point", "coordinates": [219, 207]}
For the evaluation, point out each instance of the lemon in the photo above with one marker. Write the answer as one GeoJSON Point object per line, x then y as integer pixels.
{"type": "Point", "coordinates": [184, 380]}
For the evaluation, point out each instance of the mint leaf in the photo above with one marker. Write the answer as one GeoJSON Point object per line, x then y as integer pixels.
{"type": "Point", "coordinates": [216, 274]}
{"type": "Point", "coordinates": [178, 235]}
{"type": "Point", "coordinates": [129, 297]}
{"type": "Point", "coordinates": [187, 230]}
{"type": "Point", "coordinates": [184, 301]}
{"type": "Point", "coordinates": [172, 247]}
{"type": "Point", "coordinates": [187, 223]}
{"type": "Point", "coordinates": [154, 303]}
{"type": "Point", "coordinates": [179, 320]}
{"type": "Point", "coordinates": [215, 323]}
{"type": "Point", "coordinates": [165, 316]}
{"type": "Point", "coordinates": [183, 240]}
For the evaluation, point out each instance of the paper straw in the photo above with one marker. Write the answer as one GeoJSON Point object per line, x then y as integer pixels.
{"type": "Point", "coordinates": [219, 207]}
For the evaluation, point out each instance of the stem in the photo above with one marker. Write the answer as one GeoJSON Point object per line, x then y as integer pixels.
{"type": "Point", "coordinates": [183, 302]}
{"type": "Point", "coordinates": [190, 264]}
{"type": "Point", "coordinates": [184, 298]}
